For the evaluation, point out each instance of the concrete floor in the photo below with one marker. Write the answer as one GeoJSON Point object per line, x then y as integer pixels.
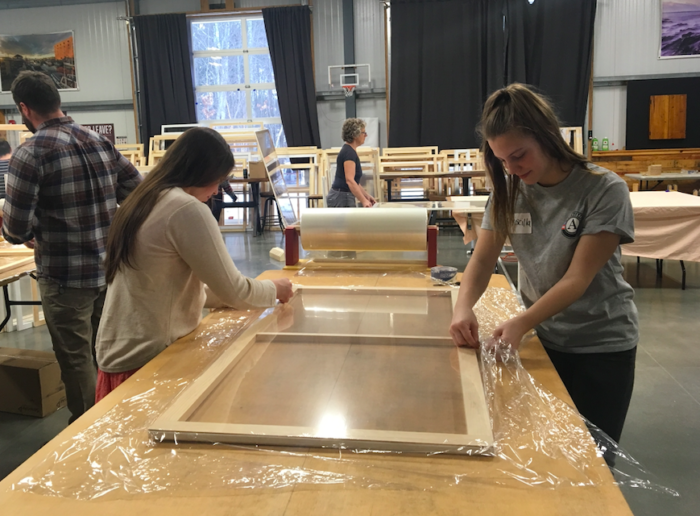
{"type": "Point", "coordinates": [664, 418]}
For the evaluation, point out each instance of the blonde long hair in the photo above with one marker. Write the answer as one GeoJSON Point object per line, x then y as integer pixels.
{"type": "Point", "coordinates": [517, 107]}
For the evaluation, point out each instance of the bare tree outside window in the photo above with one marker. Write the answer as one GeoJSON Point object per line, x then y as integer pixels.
{"type": "Point", "coordinates": [233, 77]}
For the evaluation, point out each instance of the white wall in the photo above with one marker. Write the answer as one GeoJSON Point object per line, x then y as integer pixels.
{"type": "Point", "coordinates": [369, 38]}
{"type": "Point", "coordinates": [101, 55]}
{"type": "Point", "coordinates": [101, 46]}
{"type": "Point", "coordinates": [168, 6]}
{"type": "Point", "coordinates": [609, 115]}
{"type": "Point", "coordinates": [331, 115]}
{"type": "Point", "coordinates": [328, 39]}
{"type": "Point", "coordinates": [369, 108]}
{"type": "Point", "coordinates": [626, 45]}
{"type": "Point", "coordinates": [627, 37]}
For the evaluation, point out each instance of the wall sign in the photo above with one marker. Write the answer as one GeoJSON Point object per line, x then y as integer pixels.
{"type": "Point", "coordinates": [106, 130]}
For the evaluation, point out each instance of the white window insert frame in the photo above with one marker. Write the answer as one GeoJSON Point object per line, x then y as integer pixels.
{"type": "Point", "coordinates": [247, 87]}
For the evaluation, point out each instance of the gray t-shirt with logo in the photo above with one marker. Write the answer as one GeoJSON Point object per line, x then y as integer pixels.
{"type": "Point", "coordinates": [549, 223]}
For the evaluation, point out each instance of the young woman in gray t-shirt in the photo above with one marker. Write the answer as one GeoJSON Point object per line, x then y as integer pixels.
{"type": "Point", "coordinates": [565, 219]}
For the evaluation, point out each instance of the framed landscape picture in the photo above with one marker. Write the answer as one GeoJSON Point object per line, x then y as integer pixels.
{"type": "Point", "coordinates": [680, 28]}
{"type": "Point", "coordinates": [52, 54]}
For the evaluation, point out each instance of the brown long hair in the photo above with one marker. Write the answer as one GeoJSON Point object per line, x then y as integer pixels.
{"type": "Point", "coordinates": [199, 157]}
{"type": "Point", "coordinates": [517, 107]}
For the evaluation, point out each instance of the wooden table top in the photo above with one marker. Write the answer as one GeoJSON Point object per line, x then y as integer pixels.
{"type": "Point", "coordinates": [9, 272]}
{"type": "Point", "coordinates": [474, 494]}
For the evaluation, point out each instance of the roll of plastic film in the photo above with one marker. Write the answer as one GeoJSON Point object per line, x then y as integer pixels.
{"type": "Point", "coordinates": [358, 229]}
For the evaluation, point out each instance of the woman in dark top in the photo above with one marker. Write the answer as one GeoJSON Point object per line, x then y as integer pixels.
{"type": "Point", "coordinates": [346, 186]}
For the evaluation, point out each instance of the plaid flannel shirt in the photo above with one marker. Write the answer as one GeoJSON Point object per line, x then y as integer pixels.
{"type": "Point", "coordinates": [63, 187]}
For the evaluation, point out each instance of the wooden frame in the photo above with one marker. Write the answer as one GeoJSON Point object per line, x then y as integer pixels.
{"type": "Point", "coordinates": [411, 159]}
{"type": "Point", "coordinates": [575, 133]}
{"type": "Point", "coordinates": [234, 127]}
{"type": "Point", "coordinates": [173, 424]}
{"type": "Point", "coordinates": [313, 154]}
{"type": "Point", "coordinates": [133, 152]}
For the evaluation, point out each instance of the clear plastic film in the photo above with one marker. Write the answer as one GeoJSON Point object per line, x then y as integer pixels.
{"type": "Point", "coordinates": [539, 440]}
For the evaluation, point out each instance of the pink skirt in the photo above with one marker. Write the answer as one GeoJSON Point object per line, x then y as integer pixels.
{"type": "Point", "coordinates": [107, 382]}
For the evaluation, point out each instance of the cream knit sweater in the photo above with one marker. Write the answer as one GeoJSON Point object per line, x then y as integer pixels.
{"type": "Point", "coordinates": [178, 251]}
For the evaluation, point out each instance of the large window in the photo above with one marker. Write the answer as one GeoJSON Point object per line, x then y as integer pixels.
{"type": "Point", "coordinates": [233, 76]}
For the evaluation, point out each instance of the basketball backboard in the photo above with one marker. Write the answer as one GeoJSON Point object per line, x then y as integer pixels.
{"type": "Point", "coordinates": [350, 77]}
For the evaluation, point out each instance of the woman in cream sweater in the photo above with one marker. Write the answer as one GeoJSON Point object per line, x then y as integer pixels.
{"type": "Point", "coordinates": [166, 260]}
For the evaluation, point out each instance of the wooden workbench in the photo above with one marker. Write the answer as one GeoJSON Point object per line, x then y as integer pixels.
{"type": "Point", "coordinates": [16, 263]}
{"type": "Point", "coordinates": [473, 495]}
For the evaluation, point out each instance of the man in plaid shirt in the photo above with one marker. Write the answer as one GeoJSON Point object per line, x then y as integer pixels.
{"type": "Point", "coordinates": [62, 191]}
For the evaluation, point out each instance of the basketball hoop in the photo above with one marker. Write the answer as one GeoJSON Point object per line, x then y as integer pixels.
{"type": "Point", "coordinates": [349, 89]}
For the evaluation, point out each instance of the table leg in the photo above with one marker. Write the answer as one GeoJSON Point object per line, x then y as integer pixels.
{"type": "Point", "coordinates": [9, 304]}
{"type": "Point", "coordinates": [8, 307]}
{"type": "Point", "coordinates": [388, 190]}
{"type": "Point", "coordinates": [255, 194]}
{"type": "Point", "coordinates": [683, 280]}
{"type": "Point", "coordinates": [659, 268]}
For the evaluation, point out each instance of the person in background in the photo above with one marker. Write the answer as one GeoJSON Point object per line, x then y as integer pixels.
{"type": "Point", "coordinates": [5, 155]}
{"type": "Point", "coordinates": [346, 189]}
{"type": "Point", "coordinates": [217, 201]}
{"type": "Point", "coordinates": [166, 260]}
{"type": "Point", "coordinates": [63, 188]}
{"type": "Point", "coordinates": [566, 220]}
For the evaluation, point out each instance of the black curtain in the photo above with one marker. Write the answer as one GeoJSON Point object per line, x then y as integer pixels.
{"type": "Point", "coordinates": [439, 72]}
{"type": "Point", "coordinates": [165, 70]}
{"type": "Point", "coordinates": [289, 38]}
{"type": "Point", "coordinates": [549, 46]}
{"type": "Point", "coordinates": [447, 56]}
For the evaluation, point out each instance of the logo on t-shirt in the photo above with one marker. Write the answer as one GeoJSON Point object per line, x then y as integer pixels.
{"type": "Point", "coordinates": [572, 225]}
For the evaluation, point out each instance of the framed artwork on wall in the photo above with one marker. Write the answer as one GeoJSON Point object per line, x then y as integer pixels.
{"type": "Point", "coordinates": [52, 54]}
{"type": "Point", "coordinates": [680, 29]}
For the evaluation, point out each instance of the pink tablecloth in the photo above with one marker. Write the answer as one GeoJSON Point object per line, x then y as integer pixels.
{"type": "Point", "coordinates": [666, 226]}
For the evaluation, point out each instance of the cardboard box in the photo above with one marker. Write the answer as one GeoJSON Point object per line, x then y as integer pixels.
{"type": "Point", "coordinates": [256, 169]}
{"type": "Point", "coordinates": [653, 170]}
{"type": "Point", "coordinates": [30, 382]}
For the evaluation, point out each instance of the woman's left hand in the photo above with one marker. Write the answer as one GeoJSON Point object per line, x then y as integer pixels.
{"type": "Point", "coordinates": [371, 200]}
{"type": "Point", "coordinates": [511, 331]}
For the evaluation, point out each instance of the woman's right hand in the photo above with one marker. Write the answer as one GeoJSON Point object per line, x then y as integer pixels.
{"type": "Point", "coordinates": [284, 289]}
{"type": "Point", "coordinates": [465, 328]}
{"type": "Point", "coordinates": [366, 203]}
